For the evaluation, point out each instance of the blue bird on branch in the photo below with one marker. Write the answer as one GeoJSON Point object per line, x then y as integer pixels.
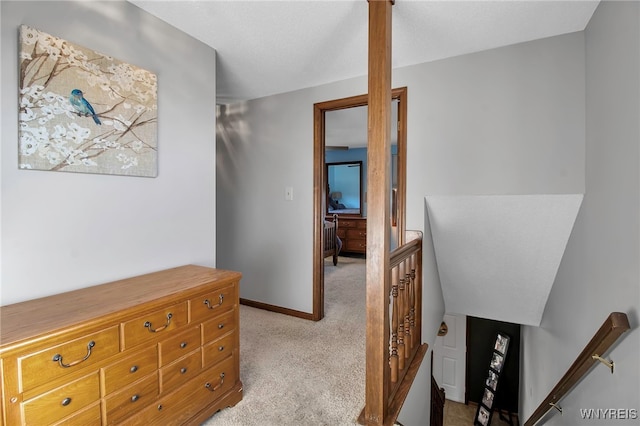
{"type": "Point", "coordinates": [82, 105]}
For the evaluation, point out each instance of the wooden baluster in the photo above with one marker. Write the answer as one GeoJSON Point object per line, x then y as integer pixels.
{"type": "Point", "coordinates": [393, 357]}
{"type": "Point", "coordinates": [407, 308]}
{"type": "Point", "coordinates": [400, 316]}
{"type": "Point", "coordinates": [415, 276]}
{"type": "Point", "coordinates": [410, 301]}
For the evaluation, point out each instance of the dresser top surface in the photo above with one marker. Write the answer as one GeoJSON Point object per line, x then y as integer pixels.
{"type": "Point", "coordinates": [46, 315]}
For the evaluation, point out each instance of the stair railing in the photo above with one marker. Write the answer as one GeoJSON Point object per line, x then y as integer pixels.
{"type": "Point", "coordinates": [613, 327]}
{"type": "Point", "coordinates": [405, 349]}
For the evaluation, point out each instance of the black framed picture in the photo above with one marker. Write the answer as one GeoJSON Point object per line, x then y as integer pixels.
{"type": "Point", "coordinates": [497, 361]}
{"type": "Point", "coordinates": [483, 416]}
{"type": "Point", "coordinates": [496, 364]}
{"type": "Point", "coordinates": [487, 398]}
{"type": "Point", "coordinates": [492, 380]}
{"type": "Point", "coordinates": [502, 343]}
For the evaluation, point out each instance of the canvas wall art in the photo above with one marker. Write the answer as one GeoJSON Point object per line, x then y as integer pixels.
{"type": "Point", "coordinates": [84, 111]}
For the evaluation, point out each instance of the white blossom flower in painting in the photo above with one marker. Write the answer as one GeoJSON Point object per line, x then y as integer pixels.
{"type": "Point", "coordinates": [137, 145]}
{"type": "Point", "coordinates": [59, 132]}
{"type": "Point", "coordinates": [28, 144]}
{"type": "Point", "coordinates": [115, 134]}
{"type": "Point", "coordinates": [53, 157]}
{"type": "Point", "coordinates": [27, 115]}
{"type": "Point", "coordinates": [40, 133]}
{"type": "Point", "coordinates": [77, 134]}
{"type": "Point", "coordinates": [127, 161]}
{"type": "Point", "coordinates": [29, 36]}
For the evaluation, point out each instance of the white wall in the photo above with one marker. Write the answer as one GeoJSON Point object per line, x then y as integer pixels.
{"type": "Point", "coordinates": [505, 121]}
{"type": "Point", "coordinates": [62, 231]}
{"type": "Point", "coordinates": [600, 270]}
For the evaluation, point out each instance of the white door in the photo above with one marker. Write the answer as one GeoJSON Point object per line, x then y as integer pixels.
{"type": "Point", "coordinates": [449, 357]}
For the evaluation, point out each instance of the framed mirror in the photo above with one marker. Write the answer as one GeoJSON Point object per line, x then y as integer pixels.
{"type": "Point", "coordinates": [344, 188]}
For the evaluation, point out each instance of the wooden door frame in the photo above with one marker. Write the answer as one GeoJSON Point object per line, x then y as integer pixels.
{"type": "Point", "coordinates": [319, 189]}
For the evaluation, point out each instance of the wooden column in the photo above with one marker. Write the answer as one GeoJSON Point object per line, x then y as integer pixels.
{"type": "Point", "coordinates": [378, 217]}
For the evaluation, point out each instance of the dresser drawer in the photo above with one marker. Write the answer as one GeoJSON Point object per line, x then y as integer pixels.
{"type": "Point", "coordinates": [357, 233]}
{"type": "Point", "coordinates": [217, 380]}
{"type": "Point", "coordinates": [211, 304]}
{"type": "Point", "coordinates": [219, 326]}
{"type": "Point", "coordinates": [355, 245]}
{"type": "Point", "coordinates": [180, 345]}
{"type": "Point", "coordinates": [209, 386]}
{"type": "Point", "coordinates": [218, 350]}
{"type": "Point", "coordinates": [90, 416]}
{"type": "Point", "coordinates": [154, 324]}
{"type": "Point", "coordinates": [57, 361]}
{"type": "Point", "coordinates": [347, 223]}
{"type": "Point", "coordinates": [180, 371]}
{"type": "Point", "coordinates": [177, 407]}
{"type": "Point", "coordinates": [122, 404]}
{"type": "Point", "coordinates": [128, 370]}
{"type": "Point", "coordinates": [62, 402]}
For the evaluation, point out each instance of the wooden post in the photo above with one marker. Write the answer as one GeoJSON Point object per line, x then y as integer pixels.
{"type": "Point", "coordinates": [378, 201]}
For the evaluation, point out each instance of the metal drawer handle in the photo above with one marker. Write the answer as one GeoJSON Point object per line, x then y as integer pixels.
{"type": "Point", "coordinates": [210, 306]}
{"type": "Point", "coordinates": [221, 348]}
{"type": "Point", "coordinates": [215, 388]}
{"type": "Point", "coordinates": [66, 402]}
{"type": "Point", "coordinates": [183, 345]}
{"type": "Point", "coordinates": [148, 324]}
{"type": "Point", "coordinates": [133, 369]}
{"type": "Point", "coordinates": [58, 358]}
{"type": "Point", "coordinates": [160, 407]}
{"type": "Point", "coordinates": [183, 370]}
{"type": "Point", "coordinates": [134, 398]}
{"type": "Point", "coordinates": [220, 326]}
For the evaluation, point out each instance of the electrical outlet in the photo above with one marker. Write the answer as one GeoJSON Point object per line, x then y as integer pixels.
{"type": "Point", "coordinates": [288, 193]}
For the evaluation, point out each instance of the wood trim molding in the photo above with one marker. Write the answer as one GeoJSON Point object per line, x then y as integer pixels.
{"type": "Point", "coordinates": [319, 109]}
{"type": "Point", "coordinates": [276, 309]}
{"type": "Point", "coordinates": [318, 213]}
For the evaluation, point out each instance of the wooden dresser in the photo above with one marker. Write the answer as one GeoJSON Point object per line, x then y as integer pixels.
{"type": "Point", "coordinates": [353, 233]}
{"type": "Point", "coordinates": [161, 348]}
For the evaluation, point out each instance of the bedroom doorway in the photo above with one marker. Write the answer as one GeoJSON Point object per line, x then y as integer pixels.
{"type": "Point", "coordinates": [320, 195]}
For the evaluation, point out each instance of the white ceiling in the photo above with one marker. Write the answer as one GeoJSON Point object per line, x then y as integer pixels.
{"type": "Point", "coordinates": [268, 47]}
{"type": "Point", "coordinates": [498, 255]}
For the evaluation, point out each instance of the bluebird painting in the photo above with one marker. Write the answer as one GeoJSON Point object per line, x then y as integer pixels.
{"type": "Point", "coordinates": [82, 106]}
{"type": "Point", "coordinates": [83, 111]}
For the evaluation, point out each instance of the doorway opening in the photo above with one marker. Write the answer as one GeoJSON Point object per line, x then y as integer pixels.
{"type": "Point", "coordinates": [320, 195]}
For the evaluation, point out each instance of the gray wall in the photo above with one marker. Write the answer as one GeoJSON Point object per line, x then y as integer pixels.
{"type": "Point", "coordinates": [504, 121]}
{"type": "Point", "coordinates": [62, 231]}
{"type": "Point", "coordinates": [599, 273]}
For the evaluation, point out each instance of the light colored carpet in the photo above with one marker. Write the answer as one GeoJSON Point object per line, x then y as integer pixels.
{"type": "Point", "coordinates": [300, 372]}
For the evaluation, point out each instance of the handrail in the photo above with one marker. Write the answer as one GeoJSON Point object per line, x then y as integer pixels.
{"type": "Point", "coordinates": [613, 327]}
{"type": "Point", "coordinates": [404, 251]}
